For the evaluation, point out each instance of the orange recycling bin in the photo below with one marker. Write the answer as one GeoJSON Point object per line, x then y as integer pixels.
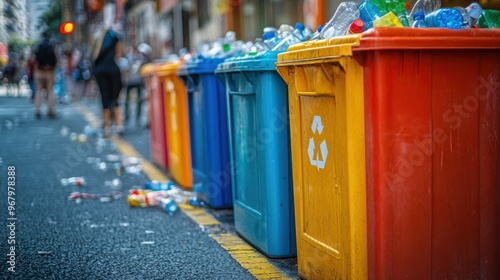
{"type": "Point", "coordinates": [177, 124]}
{"type": "Point", "coordinates": [158, 136]}
{"type": "Point", "coordinates": [395, 137]}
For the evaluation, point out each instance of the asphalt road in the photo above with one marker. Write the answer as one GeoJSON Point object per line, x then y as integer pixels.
{"type": "Point", "coordinates": [45, 235]}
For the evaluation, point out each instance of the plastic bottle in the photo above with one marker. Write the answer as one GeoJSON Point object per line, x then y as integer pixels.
{"type": "Point", "coordinates": [419, 20]}
{"type": "Point", "coordinates": [444, 18]}
{"type": "Point", "coordinates": [307, 33]}
{"type": "Point", "coordinates": [114, 184]}
{"type": "Point", "coordinates": [269, 38]}
{"type": "Point", "coordinates": [475, 11]}
{"type": "Point", "coordinates": [467, 21]}
{"type": "Point", "coordinates": [356, 26]}
{"type": "Point", "coordinates": [288, 40]}
{"type": "Point", "coordinates": [299, 31]}
{"type": "Point", "coordinates": [368, 12]}
{"type": "Point", "coordinates": [489, 19]}
{"type": "Point", "coordinates": [155, 185]}
{"type": "Point", "coordinates": [194, 199]}
{"type": "Point", "coordinates": [388, 20]}
{"type": "Point", "coordinates": [339, 23]}
{"type": "Point", "coordinates": [317, 34]}
{"type": "Point", "coordinates": [426, 6]}
{"type": "Point", "coordinates": [168, 204]}
{"type": "Point", "coordinates": [73, 181]}
{"type": "Point", "coordinates": [144, 198]}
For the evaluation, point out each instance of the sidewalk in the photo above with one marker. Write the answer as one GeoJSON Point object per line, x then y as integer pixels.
{"type": "Point", "coordinates": [102, 239]}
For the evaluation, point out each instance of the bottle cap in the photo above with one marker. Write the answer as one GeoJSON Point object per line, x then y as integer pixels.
{"type": "Point", "coordinates": [268, 35]}
{"type": "Point", "coordinates": [408, 6]}
{"type": "Point", "coordinates": [419, 15]}
{"type": "Point", "coordinates": [299, 26]}
{"type": "Point", "coordinates": [320, 28]}
{"type": "Point", "coordinates": [356, 26]}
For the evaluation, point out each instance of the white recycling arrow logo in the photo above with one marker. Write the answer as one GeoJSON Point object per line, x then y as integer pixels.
{"type": "Point", "coordinates": [317, 126]}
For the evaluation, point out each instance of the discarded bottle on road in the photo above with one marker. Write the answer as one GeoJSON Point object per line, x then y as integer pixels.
{"type": "Point", "coordinates": [339, 23]}
{"type": "Point", "coordinates": [155, 185]}
{"type": "Point", "coordinates": [194, 199]}
{"type": "Point", "coordinates": [73, 181]}
{"type": "Point", "coordinates": [144, 198]}
{"type": "Point", "coordinates": [168, 204]}
{"type": "Point", "coordinates": [115, 184]}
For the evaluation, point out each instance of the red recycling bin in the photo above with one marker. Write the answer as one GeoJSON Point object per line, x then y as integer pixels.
{"type": "Point", "coordinates": [158, 135]}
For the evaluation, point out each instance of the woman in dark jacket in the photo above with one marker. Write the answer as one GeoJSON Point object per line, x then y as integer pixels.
{"type": "Point", "coordinates": [108, 76]}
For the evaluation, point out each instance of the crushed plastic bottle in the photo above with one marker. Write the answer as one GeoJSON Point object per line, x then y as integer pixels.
{"type": "Point", "coordinates": [144, 198]}
{"type": "Point", "coordinates": [168, 204]}
{"type": "Point", "coordinates": [339, 23]}
{"type": "Point", "coordinates": [368, 12]}
{"type": "Point", "coordinates": [467, 20]}
{"type": "Point", "coordinates": [388, 20]}
{"type": "Point", "coordinates": [419, 20]}
{"type": "Point", "coordinates": [489, 19]}
{"type": "Point", "coordinates": [444, 18]}
{"type": "Point", "coordinates": [194, 199]}
{"type": "Point", "coordinates": [475, 11]}
{"type": "Point", "coordinates": [289, 38]}
{"type": "Point", "coordinates": [73, 181]}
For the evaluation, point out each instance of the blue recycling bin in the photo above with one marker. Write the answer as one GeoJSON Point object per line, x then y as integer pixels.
{"type": "Point", "coordinates": [208, 126]}
{"type": "Point", "coordinates": [259, 140]}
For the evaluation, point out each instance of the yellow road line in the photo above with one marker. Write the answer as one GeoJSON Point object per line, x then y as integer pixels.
{"type": "Point", "coordinates": [244, 254]}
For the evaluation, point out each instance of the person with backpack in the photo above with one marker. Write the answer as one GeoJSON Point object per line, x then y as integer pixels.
{"type": "Point", "coordinates": [45, 62]}
{"type": "Point", "coordinates": [107, 47]}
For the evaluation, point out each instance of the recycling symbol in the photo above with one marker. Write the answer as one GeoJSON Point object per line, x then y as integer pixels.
{"type": "Point", "coordinates": [314, 156]}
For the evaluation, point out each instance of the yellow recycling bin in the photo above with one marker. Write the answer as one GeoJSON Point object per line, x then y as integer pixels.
{"type": "Point", "coordinates": [177, 124]}
{"type": "Point", "coordinates": [325, 91]}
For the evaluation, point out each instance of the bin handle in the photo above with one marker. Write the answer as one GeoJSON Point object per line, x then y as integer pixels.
{"type": "Point", "coordinates": [232, 92]}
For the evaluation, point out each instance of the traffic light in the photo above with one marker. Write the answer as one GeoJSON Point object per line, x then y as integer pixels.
{"type": "Point", "coordinates": [67, 27]}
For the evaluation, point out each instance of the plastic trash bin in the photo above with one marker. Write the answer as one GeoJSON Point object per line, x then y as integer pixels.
{"type": "Point", "coordinates": [158, 135]}
{"type": "Point", "coordinates": [413, 116]}
{"type": "Point", "coordinates": [208, 131]}
{"type": "Point", "coordinates": [177, 124]}
{"type": "Point", "coordinates": [259, 143]}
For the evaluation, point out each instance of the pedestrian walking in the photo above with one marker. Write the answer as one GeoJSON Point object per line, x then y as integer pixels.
{"type": "Point", "coordinates": [30, 73]}
{"type": "Point", "coordinates": [107, 48]}
{"type": "Point", "coordinates": [46, 61]}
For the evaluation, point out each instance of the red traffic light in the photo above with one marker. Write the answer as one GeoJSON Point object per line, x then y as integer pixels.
{"type": "Point", "coordinates": [67, 27]}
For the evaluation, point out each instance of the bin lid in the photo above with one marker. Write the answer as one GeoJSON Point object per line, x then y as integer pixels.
{"type": "Point", "coordinates": [261, 62]}
{"type": "Point", "coordinates": [148, 69]}
{"type": "Point", "coordinates": [201, 65]}
{"type": "Point", "coordinates": [392, 39]}
{"type": "Point", "coordinates": [168, 68]}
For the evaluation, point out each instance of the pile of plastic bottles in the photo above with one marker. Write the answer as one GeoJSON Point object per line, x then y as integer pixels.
{"type": "Point", "coordinates": [166, 195]}
{"type": "Point", "coordinates": [398, 13]}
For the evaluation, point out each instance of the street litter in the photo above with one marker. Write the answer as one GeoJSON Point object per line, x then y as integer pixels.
{"type": "Point", "coordinates": [77, 196]}
{"type": "Point", "coordinates": [73, 181]}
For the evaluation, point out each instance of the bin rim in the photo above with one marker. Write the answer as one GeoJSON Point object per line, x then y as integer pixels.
{"type": "Point", "coordinates": [384, 38]}
{"type": "Point", "coordinates": [261, 62]}
{"type": "Point", "coordinates": [201, 65]}
{"type": "Point", "coordinates": [148, 69]}
{"type": "Point", "coordinates": [168, 68]}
